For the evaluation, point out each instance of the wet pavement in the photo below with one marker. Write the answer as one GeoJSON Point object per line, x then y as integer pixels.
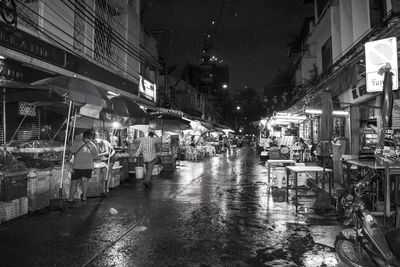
{"type": "Point", "coordinates": [217, 212]}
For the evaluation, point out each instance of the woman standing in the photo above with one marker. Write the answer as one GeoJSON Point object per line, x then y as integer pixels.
{"type": "Point", "coordinates": [85, 152]}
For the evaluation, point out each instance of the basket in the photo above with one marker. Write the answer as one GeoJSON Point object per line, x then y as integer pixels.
{"type": "Point", "coordinates": [9, 210]}
{"type": "Point", "coordinates": [23, 206]}
{"type": "Point", "coordinates": [38, 202]}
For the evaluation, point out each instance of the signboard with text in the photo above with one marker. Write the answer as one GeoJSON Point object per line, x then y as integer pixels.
{"type": "Point", "coordinates": [147, 89]}
{"type": "Point", "coordinates": [377, 55]}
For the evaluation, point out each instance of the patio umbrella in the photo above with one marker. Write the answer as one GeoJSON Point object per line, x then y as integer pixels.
{"type": "Point", "coordinates": [323, 201]}
{"type": "Point", "coordinates": [75, 89]}
{"type": "Point", "coordinates": [387, 106]}
{"type": "Point", "coordinates": [129, 109]}
{"type": "Point", "coordinates": [326, 116]}
{"type": "Point", "coordinates": [168, 122]}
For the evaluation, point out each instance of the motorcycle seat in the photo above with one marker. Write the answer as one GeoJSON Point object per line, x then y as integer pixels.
{"type": "Point", "coordinates": [393, 240]}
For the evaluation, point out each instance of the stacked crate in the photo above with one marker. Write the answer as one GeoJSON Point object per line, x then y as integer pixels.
{"type": "Point", "coordinates": [96, 182]}
{"type": "Point", "coordinates": [168, 162]}
{"type": "Point", "coordinates": [38, 189]}
{"type": "Point", "coordinates": [14, 202]}
{"type": "Point", "coordinates": [115, 176]}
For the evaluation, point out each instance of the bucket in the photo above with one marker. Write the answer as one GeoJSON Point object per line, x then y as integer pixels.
{"type": "Point", "coordinates": [280, 178]}
{"type": "Point", "coordinates": [139, 172]}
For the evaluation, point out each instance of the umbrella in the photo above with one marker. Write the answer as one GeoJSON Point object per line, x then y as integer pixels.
{"type": "Point", "coordinates": [326, 116]}
{"type": "Point", "coordinates": [387, 106]}
{"type": "Point", "coordinates": [167, 122]}
{"type": "Point", "coordinates": [75, 89]}
{"type": "Point", "coordinates": [323, 200]}
{"type": "Point", "coordinates": [126, 108]}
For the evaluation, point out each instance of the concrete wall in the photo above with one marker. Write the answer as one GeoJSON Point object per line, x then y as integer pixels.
{"type": "Point", "coordinates": [346, 23]}
{"type": "Point", "coordinates": [57, 13]}
{"type": "Point", "coordinates": [361, 18]}
{"type": "Point", "coordinates": [336, 32]}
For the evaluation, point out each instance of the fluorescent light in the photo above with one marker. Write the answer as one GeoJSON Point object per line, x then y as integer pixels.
{"type": "Point", "coordinates": [112, 93]}
{"type": "Point", "coordinates": [340, 112]}
{"type": "Point", "coordinates": [292, 118]}
{"type": "Point", "coordinates": [2, 57]}
{"type": "Point", "coordinates": [319, 111]}
{"type": "Point", "coordinates": [313, 111]}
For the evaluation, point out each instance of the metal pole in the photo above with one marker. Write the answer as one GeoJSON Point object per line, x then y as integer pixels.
{"type": "Point", "coordinates": [63, 158]}
{"type": "Point", "coordinates": [4, 124]}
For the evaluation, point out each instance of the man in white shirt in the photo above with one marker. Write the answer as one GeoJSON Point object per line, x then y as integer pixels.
{"type": "Point", "coordinates": [148, 148]}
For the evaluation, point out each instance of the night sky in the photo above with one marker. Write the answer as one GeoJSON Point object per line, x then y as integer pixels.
{"type": "Point", "coordinates": [252, 36]}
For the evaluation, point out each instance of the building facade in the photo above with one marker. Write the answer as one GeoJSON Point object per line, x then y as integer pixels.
{"type": "Point", "coordinates": [332, 57]}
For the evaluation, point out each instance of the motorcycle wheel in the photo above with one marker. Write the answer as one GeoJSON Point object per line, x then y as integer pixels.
{"type": "Point", "coordinates": [348, 254]}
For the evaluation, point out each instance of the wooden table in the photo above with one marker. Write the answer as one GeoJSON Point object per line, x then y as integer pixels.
{"type": "Point", "coordinates": [388, 170]}
{"type": "Point", "coordinates": [278, 162]}
{"type": "Point", "coordinates": [300, 169]}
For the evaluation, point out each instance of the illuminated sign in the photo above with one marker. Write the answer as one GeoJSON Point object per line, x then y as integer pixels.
{"type": "Point", "coordinates": [147, 89]}
{"type": "Point", "coordinates": [377, 55]}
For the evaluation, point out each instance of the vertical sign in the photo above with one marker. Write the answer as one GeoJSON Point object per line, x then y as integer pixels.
{"type": "Point", "coordinates": [377, 55]}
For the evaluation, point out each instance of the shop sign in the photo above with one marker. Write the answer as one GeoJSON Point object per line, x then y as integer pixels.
{"type": "Point", "coordinates": [27, 44]}
{"type": "Point", "coordinates": [377, 55]}
{"type": "Point", "coordinates": [147, 89]}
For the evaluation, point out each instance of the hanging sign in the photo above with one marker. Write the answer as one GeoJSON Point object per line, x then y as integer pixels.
{"type": "Point", "coordinates": [147, 89]}
{"type": "Point", "coordinates": [377, 55]}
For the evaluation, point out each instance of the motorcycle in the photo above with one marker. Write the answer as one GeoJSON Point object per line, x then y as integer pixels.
{"type": "Point", "coordinates": [365, 243]}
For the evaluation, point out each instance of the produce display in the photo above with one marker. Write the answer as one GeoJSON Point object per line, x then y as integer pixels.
{"type": "Point", "coordinates": [36, 146]}
{"type": "Point", "coordinates": [11, 164]}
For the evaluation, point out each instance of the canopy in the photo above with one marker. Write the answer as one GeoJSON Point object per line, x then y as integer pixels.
{"type": "Point", "coordinates": [75, 89]}
{"type": "Point", "coordinates": [167, 122]}
{"type": "Point", "coordinates": [129, 109]}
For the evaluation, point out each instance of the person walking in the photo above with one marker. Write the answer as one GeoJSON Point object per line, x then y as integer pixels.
{"type": "Point", "coordinates": [85, 152]}
{"type": "Point", "coordinates": [147, 147]}
{"type": "Point", "coordinates": [106, 153]}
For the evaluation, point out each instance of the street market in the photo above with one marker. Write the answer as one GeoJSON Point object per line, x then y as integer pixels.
{"type": "Point", "coordinates": [200, 133]}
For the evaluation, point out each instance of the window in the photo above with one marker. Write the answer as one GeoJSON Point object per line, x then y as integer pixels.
{"type": "Point", "coordinates": [376, 10]}
{"type": "Point", "coordinates": [321, 5]}
{"type": "Point", "coordinates": [327, 55]}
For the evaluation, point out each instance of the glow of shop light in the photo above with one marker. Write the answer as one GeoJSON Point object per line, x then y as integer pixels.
{"type": "Point", "coordinates": [224, 86]}
{"type": "Point", "coordinates": [313, 111]}
{"type": "Point", "coordinates": [115, 124]}
{"type": "Point", "coordinates": [112, 93]}
{"type": "Point", "coordinates": [238, 107]}
{"type": "Point", "coordinates": [340, 112]}
{"type": "Point", "coordinates": [319, 111]}
{"type": "Point", "coordinates": [293, 118]}
{"type": "Point", "coordinates": [2, 57]}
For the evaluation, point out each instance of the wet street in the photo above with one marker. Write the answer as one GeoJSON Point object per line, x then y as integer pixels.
{"type": "Point", "coordinates": [215, 212]}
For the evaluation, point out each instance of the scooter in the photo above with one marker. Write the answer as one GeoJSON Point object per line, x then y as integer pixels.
{"type": "Point", "coordinates": [365, 243]}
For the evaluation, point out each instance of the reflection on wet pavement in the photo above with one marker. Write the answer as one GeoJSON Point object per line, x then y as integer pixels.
{"type": "Point", "coordinates": [219, 212]}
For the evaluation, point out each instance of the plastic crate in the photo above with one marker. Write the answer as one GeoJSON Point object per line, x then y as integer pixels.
{"type": "Point", "coordinates": [95, 190]}
{"type": "Point", "coordinates": [9, 210]}
{"type": "Point", "coordinates": [38, 202]}
{"type": "Point", "coordinates": [169, 166]}
{"type": "Point", "coordinates": [23, 206]}
{"type": "Point", "coordinates": [39, 182]}
{"type": "Point", "coordinates": [13, 186]}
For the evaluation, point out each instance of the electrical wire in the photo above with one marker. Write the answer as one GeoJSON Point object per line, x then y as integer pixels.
{"type": "Point", "coordinates": [118, 37]}
{"type": "Point", "coordinates": [92, 40]}
{"type": "Point", "coordinates": [43, 31]}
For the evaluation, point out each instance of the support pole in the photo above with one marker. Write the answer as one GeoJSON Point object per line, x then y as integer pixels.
{"type": "Point", "coordinates": [63, 158]}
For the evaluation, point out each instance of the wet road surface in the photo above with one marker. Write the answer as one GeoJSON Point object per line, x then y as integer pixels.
{"type": "Point", "coordinates": [217, 212]}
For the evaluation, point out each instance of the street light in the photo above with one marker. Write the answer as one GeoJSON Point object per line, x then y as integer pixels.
{"type": "Point", "coordinates": [224, 86]}
{"type": "Point", "coordinates": [238, 108]}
